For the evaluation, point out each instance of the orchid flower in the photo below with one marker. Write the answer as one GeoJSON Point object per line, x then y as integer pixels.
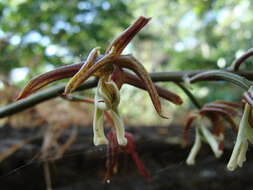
{"type": "Point", "coordinates": [245, 131]}
{"type": "Point", "coordinates": [110, 71]}
{"type": "Point", "coordinates": [216, 113]}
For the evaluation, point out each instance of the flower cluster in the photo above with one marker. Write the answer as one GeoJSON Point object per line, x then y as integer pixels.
{"type": "Point", "coordinates": [112, 71]}
{"type": "Point", "coordinates": [245, 129]}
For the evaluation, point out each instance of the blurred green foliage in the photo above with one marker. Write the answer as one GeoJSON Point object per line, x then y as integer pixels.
{"type": "Point", "coordinates": [40, 32]}
{"type": "Point", "coordinates": [182, 35]}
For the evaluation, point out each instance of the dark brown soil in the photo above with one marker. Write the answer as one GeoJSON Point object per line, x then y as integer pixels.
{"type": "Point", "coordinates": [83, 166]}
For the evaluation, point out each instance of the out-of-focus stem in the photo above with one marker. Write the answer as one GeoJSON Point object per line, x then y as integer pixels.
{"type": "Point", "coordinates": [189, 94]}
{"type": "Point", "coordinates": [237, 63]}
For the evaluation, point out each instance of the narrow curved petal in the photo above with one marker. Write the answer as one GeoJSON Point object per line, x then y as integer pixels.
{"type": "Point", "coordinates": [77, 79]}
{"type": "Point", "coordinates": [118, 45]}
{"type": "Point", "coordinates": [225, 115]}
{"type": "Point", "coordinates": [162, 92]}
{"type": "Point", "coordinates": [101, 67]}
{"type": "Point", "coordinates": [129, 62]}
{"type": "Point", "coordinates": [217, 109]}
{"type": "Point", "coordinates": [46, 78]}
{"type": "Point", "coordinates": [119, 128]}
{"type": "Point", "coordinates": [231, 104]}
{"type": "Point", "coordinates": [224, 107]}
{"type": "Point", "coordinates": [210, 138]}
{"type": "Point", "coordinates": [195, 149]}
{"type": "Point", "coordinates": [187, 126]}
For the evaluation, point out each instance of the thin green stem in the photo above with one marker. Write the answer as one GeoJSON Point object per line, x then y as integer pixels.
{"type": "Point", "coordinates": [189, 94]}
